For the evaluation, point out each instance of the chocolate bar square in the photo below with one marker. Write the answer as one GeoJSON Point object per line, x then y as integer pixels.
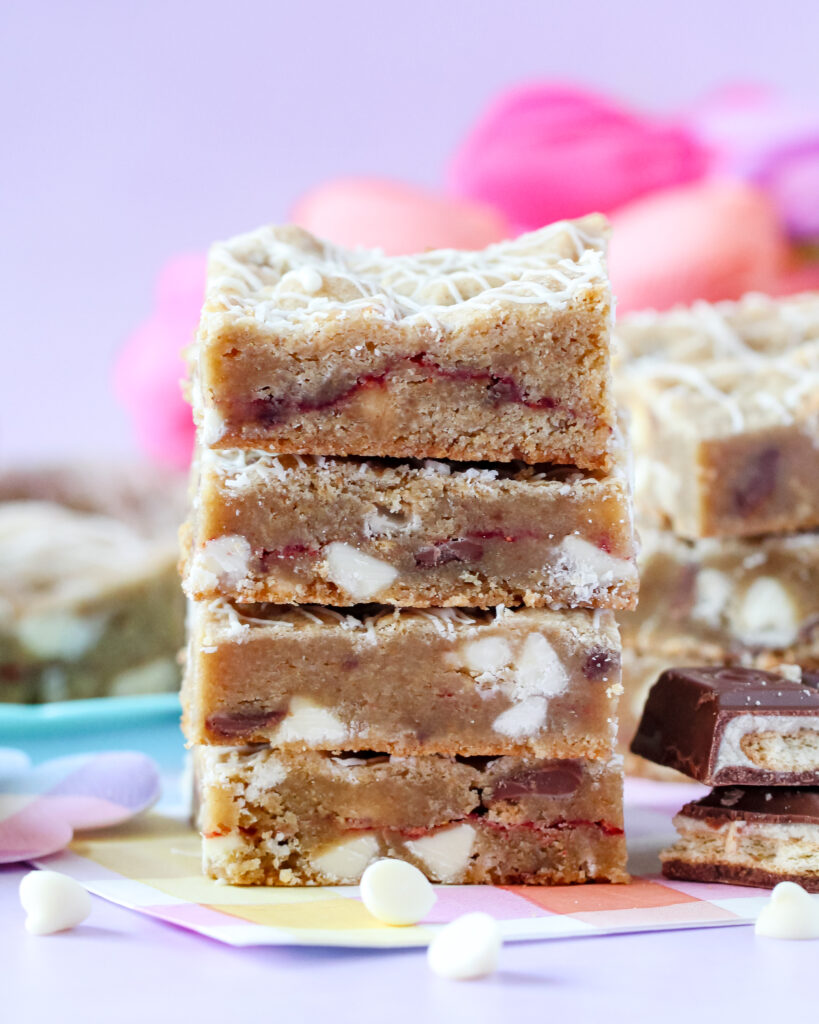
{"type": "Point", "coordinates": [734, 726]}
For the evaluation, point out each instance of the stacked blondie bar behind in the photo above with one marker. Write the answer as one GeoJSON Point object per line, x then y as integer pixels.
{"type": "Point", "coordinates": [725, 407]}
{"type": "Point", "coordinates": [411, 522]}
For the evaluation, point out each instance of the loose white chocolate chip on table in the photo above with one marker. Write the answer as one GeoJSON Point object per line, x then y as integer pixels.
{"type": "Point", "coordinates": [466, 948]}
{"type": "Point", "coordinates": [53, 902]}
{"type": "Point", "coordinates": [396, 893]}
{"type": "Point", "coordinates": [790, 913]}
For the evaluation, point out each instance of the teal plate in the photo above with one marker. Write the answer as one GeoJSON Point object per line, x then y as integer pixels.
{"type": "Point", "coordinates": [149, 723]}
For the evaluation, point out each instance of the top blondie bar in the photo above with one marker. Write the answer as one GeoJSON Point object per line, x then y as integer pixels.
{"type": "Point", "coordinates": [725, 415]}
{"type": "Point", "coordinates": [308, 348]}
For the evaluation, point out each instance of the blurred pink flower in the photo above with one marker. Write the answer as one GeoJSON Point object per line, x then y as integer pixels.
{"type": "Point", "coordinates": [754, 133]}
{"type": "Point", "coordinates": [396, 217]}
{"type": "Point", "coordinates": [712, 240]}
{"type": "Point", "coordinates": [150, 368]}
{"type": "Point", "coordinates": [544, 152]}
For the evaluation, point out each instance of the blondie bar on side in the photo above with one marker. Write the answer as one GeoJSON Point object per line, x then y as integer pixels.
{"type": "Point", "coordinates": [501, 354]}
{"type": "Point", "coordinates": [89, 605]}
{"type": "Point", "coordinates": [339, 531]}
{"type": "Point", "coordinates": [744, 596]}
{"type": "Point", "coordinates": [725, 405]}
{"type": "Point", "coordinates": [272, 818]}
{"type": "Point", "coordinates": [449, 681]}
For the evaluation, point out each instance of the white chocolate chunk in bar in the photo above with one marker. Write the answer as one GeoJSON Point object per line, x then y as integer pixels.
{"type": "Point", "coordinates": [526, 718]}
{"type": "Point", "coordinates": [361, 576]}
{"type": "Point", "coordinates": [488, 656]}
{"type": "Point", "coordinates": [767, 616]}
{"type": "Point", "coordinates": [591, 566]}
{"type": "Point", "coordinates": [309, 722]}
{"type": "Point", "coordinates": [345, 861]}
{"type": "Point", "coordinates": [57, 634]}
{"type": "Point", "coordinates": [223, 562]}
{"type": "Point", "coordinates": [540, 670]}
{"type": "Point", "coordinates": [446, 852]}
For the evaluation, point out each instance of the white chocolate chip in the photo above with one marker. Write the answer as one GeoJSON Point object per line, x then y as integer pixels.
{"type": "Point", "coordinates": [308, 722]}
{"type": "Point", "coordinates": [767, 615]}
{"type": "Point", "coordinates": [60, 634]}
{"type": "Point", "coordinates": [345, 861]}
{"type": "Point", "coordinates": [790, 913]}
{"type": "Point", "coordinates": [53, 902]}
{"type": "Point", "coordinates": [490, 655]}
{"type": "Point", "coordinates": [711, 592]}
{"type": "Point", "coordinates": [361, 576]}
{"type": "Point", "coordinates": [468, 947]}
{"type": "Point", "coordinates": [224, 560]}
{"type": "Point", "coordinates": [446, 852]}
{"type": "Point", "coordinates": [396, 893]}
{"type": "Point", "coordinates": [540, 670]}
{"type": "Point", "coordinates": [524, 718]}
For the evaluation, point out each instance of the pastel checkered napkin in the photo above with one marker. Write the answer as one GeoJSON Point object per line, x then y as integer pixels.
{"type": "Point", "coordinates": [41, 807]}
{"type": "Point", "coordinates": [152, 866]}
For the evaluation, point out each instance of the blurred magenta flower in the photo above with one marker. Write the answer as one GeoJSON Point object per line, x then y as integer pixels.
{"type": "Point", "coordinates": [396, 217]}
{"type": "Point", "coordinates": [544, 152]}
{"type": "Point", "coordinates": [754, 133]}
{"type": "Point", "coordinates": [150, 368]}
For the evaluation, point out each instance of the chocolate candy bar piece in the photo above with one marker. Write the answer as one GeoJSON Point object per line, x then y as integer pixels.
{"type": "Point", "coordinates": [754, 835]}
{"type": "Point", "coordinates": [734, 725]}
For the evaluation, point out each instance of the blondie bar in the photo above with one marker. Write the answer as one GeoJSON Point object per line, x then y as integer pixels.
{"type": "Point", "coordinates": [89, 601]}
{"type": "Point", "coordinates": [725, 406]}
{"type": "Point", "coordinates": [446, 681]}
{"type": "Point", "coordinates": [319, 819]}
{"type": "Point", "coordinates": [502, 354]}
{"type": "Point", "coordinates": [743, 596]}
{"type": "Point", "coordinates": [306, 529]}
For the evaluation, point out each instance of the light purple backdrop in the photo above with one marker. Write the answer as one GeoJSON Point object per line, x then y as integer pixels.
{"type": "Point", "coordinates": [135, 130]}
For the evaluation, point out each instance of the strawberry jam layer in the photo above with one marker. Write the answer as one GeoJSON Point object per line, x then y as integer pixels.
{"type": "Point", "coordinates": [271, 409]}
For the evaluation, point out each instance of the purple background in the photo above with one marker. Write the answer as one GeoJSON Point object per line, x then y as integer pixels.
{"type": "Point", "coordinates": [135, 130]}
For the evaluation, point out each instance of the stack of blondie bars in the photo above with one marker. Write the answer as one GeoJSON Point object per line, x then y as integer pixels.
{"type": "Point", "coordinates": [725, 407]}
{"type": "Point", "coordinates": [411, 522]}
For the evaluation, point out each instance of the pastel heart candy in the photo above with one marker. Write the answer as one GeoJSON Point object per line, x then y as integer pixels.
{"type": "Point", "coordinates": [544, 152]}
{"type": "Point", "coordinates": [53, 902]}
{"type": "Point", "coordinates": [395, 217]}
{"type": "Point", "coordinates": [712, 240]}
